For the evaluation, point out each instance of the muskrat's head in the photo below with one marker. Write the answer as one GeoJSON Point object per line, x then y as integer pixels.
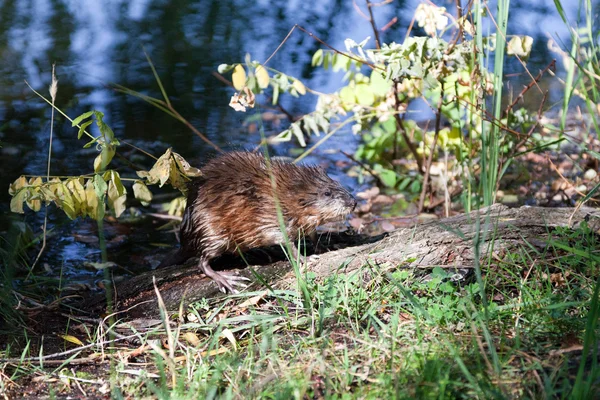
{"type": "Point", "coordinates": [322, 197]}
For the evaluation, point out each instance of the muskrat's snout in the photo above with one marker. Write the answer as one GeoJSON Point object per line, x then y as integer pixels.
{"type": "Point", "coordinates": [352, 203]}
{"type": "Point", "coordinates": [349, 201]}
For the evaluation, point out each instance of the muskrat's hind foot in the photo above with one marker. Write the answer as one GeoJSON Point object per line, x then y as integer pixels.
{"type": "Point", "coordinates": [225, 280]}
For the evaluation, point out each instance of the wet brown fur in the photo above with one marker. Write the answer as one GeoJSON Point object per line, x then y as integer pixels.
{"type": "Point", "coordinates": [233, 204]}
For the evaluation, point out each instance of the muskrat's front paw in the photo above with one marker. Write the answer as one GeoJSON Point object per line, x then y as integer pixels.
{"type": "Point", "coordinates": [230, 281]}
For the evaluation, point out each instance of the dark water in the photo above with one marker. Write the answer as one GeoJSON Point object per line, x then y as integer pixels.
{"type": "Point", "coordinates": [95, 43]}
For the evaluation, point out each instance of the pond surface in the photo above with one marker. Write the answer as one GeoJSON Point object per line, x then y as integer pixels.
{"type": "Point", "coordinates": [95, 43]}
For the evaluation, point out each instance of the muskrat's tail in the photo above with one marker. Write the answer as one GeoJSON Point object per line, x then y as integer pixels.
{"type": "Point", "coordinates": [176, 257]}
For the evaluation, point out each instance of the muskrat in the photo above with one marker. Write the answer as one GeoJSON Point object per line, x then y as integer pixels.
{"type": "Point", "coordinates": [232, 207]}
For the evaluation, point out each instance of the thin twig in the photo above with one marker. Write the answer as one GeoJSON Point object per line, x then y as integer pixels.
{"type": "Point", "coordinates": [53, 90]}
{"type": "Point", "coordinates": [350, 56]}
{"type": "Point", "coordinates": [364, 166]}
{"type": "Point", "coordinates": [441, 201]}
{"type": "Point", "coordinates": [372, 21]}
{"type": "Point", "coordinates": [534, 81]}
{"type": "Point", "coordinates": [389, 24]}
{"type": "Point", "coordinates": [438, 118]}
{"type": "Point", "coordinates": [400, 127]}
{"type": "Point", "coordinates": [64, 353]}
{"type": "Point", "coordinates": [139, 149]}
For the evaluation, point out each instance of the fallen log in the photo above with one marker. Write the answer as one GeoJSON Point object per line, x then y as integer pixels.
{"type": "Point", "coordinates": [448, 243]}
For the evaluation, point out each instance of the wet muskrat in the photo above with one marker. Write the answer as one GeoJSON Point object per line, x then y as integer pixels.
{"type": "Point", "coordinates": [233, 206]}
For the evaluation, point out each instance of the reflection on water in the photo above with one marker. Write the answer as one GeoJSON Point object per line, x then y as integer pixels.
{"type": "Point", "coordinates": [94, 43]}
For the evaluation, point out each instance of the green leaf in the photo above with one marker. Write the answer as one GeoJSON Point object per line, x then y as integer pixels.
{"type": "Point", "coordinates": [284, 136]}
{"type": "Point", "coordinates": [117, 195]}
{"type": "Point", "coordinates": [82, 128]}
{"type": "Point", "coordinates": [388, 177]}
{"type": "Point", "coordinates": [100, 187]}
{"type": "Point", "coordinates": [105, 130]}
{"type": "Point", "coordinates": [103, 159]}
{"type": "Point", "coordinates": [296, 131]}
{"type": "Point", "coordinates": [379, 85]}
{"type": "Point", "coordinates": [341, 63]}
{"type": "Point", "coordinates": [275, 93]}
{"type": "Point", "coordinates": [364, 95]}
{"type": "Point", "coordinates": [311, 124]}
{"type": "Point", "coordinates": [90, 143]}
{"type": "Point", "coordinates": [142, 193]}
{"type": "Point", "coordinates": [347, 95]}
{"type": "Point", "coordinates": [223, 68]}
{"type": "Point", "coordinates": [317, 58]}
{"type": "Point", "coordinates": [83, 116]}
{"type": "Point", "coordinates": [327, 60]}
{"type": "Point", "coordinates": [322, 122]}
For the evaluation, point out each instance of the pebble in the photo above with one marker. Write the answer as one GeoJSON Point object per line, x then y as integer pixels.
{"type": "Point", "coordinates": [590, 174]}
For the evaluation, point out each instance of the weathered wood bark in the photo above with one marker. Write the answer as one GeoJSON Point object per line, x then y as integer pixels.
{"type": "Point", "coordinates": [447, 243]}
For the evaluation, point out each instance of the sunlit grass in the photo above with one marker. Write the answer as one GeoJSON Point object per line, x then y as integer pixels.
{"type": "Point", "coordinates": [378, 334]}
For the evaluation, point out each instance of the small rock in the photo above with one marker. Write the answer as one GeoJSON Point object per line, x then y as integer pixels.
{"type": "Point", "coordinates": [383, 199]}
{"type": "Point", "coordinates": [590, 174]}
{"type": "Point", "coordinates": [510, 199]}
{"type": "Point", "coordinates": [369, 193]}
{"type": "Point", "coordinates": [387, 226]}
{"type": "Point", "coordinates": [356, 223]}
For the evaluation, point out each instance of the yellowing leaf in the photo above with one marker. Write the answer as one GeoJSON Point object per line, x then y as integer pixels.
{"type": "Point", "coordinates": [65, 200]}
{"type": "Point", "coordinates": [160, 170]}
{"type": "Point", "coordinates": [16, 185]}
{"type": "Point", "coordinates": [72, 339]}
{"type": "Point", "coordinates": [177, 206]}
{"type": "Point", "coordinates": [34, 201]}
{"type": "Point", "coordinates": [78, 194]}
{"type": "Point", "coordinates": [185, 166]}
{"type": "Point", "coordinates": [192, 338]}
{"type": "Point", "coordinates": [116, 194]}
{"type": "Point", "coordinates": [16, 203]}
{"type": "Point", "coordinates": [229, 336]}
{"type": "Point", "coordinates": [262, 77]}
{"type": "Point", "coordinates": [103, 159]}
{"type": "Point", "coordinates": [299, 86]}
{"type": "Point", "coordinates": [519, 46]}
{"type": "Point", "coordinates": [142, 193]}
{"type": "Point", "coordinates": [239, 77]}
{"type": "Point", "coordinates": [34, 204]}
{"type": "Point", "coordinates": [91, 200]}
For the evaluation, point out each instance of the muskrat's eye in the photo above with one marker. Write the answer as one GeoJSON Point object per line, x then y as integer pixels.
{"type": "Point", "coordinates": [327, 194]}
